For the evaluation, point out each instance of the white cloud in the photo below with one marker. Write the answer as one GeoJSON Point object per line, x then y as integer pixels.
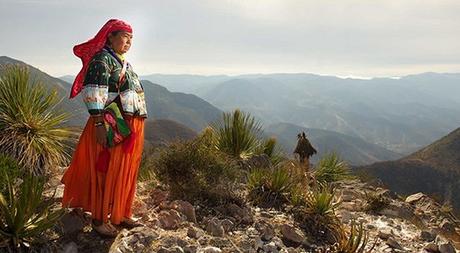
{"type": "Point", "coordinates": [348, 37]}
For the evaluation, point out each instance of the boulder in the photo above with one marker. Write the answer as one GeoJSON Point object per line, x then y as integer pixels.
{"type": "Point", "coordinates": [185, 208]}
{"type": "Point", "coordinates": [427, 236]}
{"type": "Point", "coordinates": [210, 249]}
{"type": "Point", "coordinates": [415, 197]}
{"type": "Point", "coordinates": [138, 239]}
{"type": "Point", "coordinates": [291, 236]}
{"type": "Point", "coordinates": [73, 222]}
{"type": "Point", "coordinates": [432, 248]}
{"type": "Point", "coordinates": [394, 244]}
{"type": "Point", "coordinates": [169, 219]}
{"type": "Point", "coordinates": [194, 232]}
{"type": "Point", "coordinates": [214, 227]}
{"type": "Point", "coordinates": [266, 230]}
{"type": "Point", "coordinates": [241, 214]}
{"type": "Point", "coordinates": [446, 247]}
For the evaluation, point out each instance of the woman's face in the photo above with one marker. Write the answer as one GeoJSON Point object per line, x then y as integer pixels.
{"type": "Point", "coordinates": [121, 42]}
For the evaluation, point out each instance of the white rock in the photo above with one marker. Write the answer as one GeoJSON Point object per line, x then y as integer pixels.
{"type": "Point", "coordinates": [210, 249]}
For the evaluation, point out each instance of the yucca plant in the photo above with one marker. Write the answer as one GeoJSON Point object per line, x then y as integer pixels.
{"type": "Point", "coordinates": [258, 185]}
{"type": "Point", "coordinates": [269, 146]}
{"type": "Point", "coordinates": [321, 202]}
{"type": "Point", "coordinates": [272, 150]}
{"type": "Point", "coordinates": [270, 187]}
{"type": "Point", "coordinates": [31, 124]}
{"type": "Point", "coordinates": [317, 217]}
{"type": "Point", "coordinates": [297, 196]}
{"type": "Point", "coordinates": [257, 178]}
{"type": "Point", "coordinates": [24, 214]}
{"type": "Point", "coordinates": [8, 168]}
{"type": "Point", "coordinates": [355, 242]}
{"type": "Point", "coordinates": [331, 168]}
{"type": "Point", "coordinates": [281, 181]}
{"type": "Point", "coordinates": [237, 134]}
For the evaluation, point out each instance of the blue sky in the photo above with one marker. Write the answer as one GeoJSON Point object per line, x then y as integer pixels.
{"type": "Point", "coordinates": [358, 38]}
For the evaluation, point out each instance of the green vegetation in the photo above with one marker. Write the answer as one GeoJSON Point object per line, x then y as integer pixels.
{"type": "Point", "coordinates": [272, 150]}
{"type": "Point", "coordinates": [24, 213]}
{"type": "Point", "coordinates": [321, 202]}
{"type": "Point", "coordinates": [31, 128]}
{"type": "Point", "coordinates": [9, 168]}
{"type": "Point", "coordinates": [270, 187]}
{"type": "Point", "coordinates": [237, 134]}
{"type": "Point", "coordinates": [355, 242]}
{"type": "Point", "coordinates": [195, 170]}
{"type": "Point", "coordinates": [375, 202]}
{"type": "Point", "coordinates": [331, 169]}
{"type": "Point", "coordinates": [317, 217]}
{"type": "Point", "coordinates": [208, 168]}
{"type": "Point", "coordinates": [33, 141]}
{"type": "Point", "coordinates": [146, 170]}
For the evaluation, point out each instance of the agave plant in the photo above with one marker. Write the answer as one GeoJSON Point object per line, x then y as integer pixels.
{"type": "Point", "coordinates": [24, 214]}
{"type": "Point", "coordinates": [272, 150]}
{"type": "Point", "coordinates": [31, 128]}
{"type": "Point", "coordinates": [281, 180]}
{"type": "Point", "coordinates": [355, 242]}
{"type": "Point", "coordinates": [237, 134]}
{"type": "Point", "coordinates": [270, 186]}
{"type": "Point", "coordinates": [321, 202]}
{"type": "Point", "coordinates": [331, 168]}
{"type": "Point", "coordinates": [297, 196]}
{"type": "Point", "coordinates": [317, 216]}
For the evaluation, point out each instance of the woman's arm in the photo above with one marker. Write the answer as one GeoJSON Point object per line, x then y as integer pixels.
{"type": "Point", "coordinates": [95, 94]}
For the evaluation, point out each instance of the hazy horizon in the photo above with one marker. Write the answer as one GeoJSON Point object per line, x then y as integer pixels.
{"type": "Point", "coordinates": [352, 38]}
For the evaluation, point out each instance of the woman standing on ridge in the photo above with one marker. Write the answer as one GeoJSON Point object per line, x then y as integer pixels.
{"type": "Point", "coordinates": [102, 178]}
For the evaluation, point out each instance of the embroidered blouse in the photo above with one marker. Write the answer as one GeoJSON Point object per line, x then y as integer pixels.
{"type": "Point", "coordinates": [100, 85]}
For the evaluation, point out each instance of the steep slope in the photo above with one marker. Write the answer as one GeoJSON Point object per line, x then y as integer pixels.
{"type": "Point", "coordinates": [434, 170]}
{"type": "Point", "coordinates": [162, 131]}
{"type": "Point", "coordinates": [443, 154]}
{"type": "Point", "coordinates": [354, 150]}
{"type": "Point", "coordinates": [187, 109]}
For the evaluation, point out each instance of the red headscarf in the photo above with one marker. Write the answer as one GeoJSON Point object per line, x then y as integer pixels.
{"type": "Point", "coordinates": [87, 50]}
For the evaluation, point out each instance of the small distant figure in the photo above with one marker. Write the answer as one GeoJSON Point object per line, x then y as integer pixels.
{"type": "Point", "coordinates": [304, 149]}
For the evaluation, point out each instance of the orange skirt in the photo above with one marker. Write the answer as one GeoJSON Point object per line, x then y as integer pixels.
{"type": "Point", "coordinates": [103, 194]}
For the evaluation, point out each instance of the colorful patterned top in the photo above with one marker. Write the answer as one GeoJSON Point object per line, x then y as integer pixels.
{"type": "Point", "coordinates": [100, 85]}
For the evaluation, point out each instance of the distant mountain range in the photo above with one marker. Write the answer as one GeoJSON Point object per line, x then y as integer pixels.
{"type": "Point", "coordinates": [163, 131]}
{"type": "Point", "coordinates": [354, 150]}
{"type": "Point", "coordinates": [365, 121]}
{"type": "Point", "coordinates": [434, 169]}
{"type": "Point", "coordinates": [186, 109]}
{"type": "Point", "coordinates": [401, 115]}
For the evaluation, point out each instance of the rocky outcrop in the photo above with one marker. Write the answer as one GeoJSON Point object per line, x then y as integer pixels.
{"type": "Point", "coordinates": [414, 224]}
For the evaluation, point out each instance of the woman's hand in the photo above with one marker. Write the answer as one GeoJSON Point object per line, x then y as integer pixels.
{"type": "Point", "coordinates": [101, 135]}
{"type": "Point", "coordinates": [101, 132]}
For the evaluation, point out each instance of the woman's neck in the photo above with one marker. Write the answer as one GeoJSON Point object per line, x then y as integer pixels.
{"type": "Point", "coordinates": [114, 53]}
{"type": "Point", "coordinates": [122, 56]}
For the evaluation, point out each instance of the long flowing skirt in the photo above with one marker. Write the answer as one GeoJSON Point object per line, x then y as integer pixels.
{"type": "Point", "coordinates": [103, 194]}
